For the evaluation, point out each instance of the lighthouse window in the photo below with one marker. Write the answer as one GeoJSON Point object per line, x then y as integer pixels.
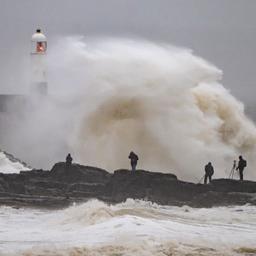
{"type": "Point", "coordinates": [40, 47]}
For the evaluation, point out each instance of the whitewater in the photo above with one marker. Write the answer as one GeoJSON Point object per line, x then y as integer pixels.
{"type": "Point", "coordinates": [10, 164]}
{"type": "Point", "coordinates": [131, 228]}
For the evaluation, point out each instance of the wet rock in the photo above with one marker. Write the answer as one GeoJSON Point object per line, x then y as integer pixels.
{"type": "Point", "coordinates": [78, 173]}
{"type": "Point", "coordinates": [64, 185]}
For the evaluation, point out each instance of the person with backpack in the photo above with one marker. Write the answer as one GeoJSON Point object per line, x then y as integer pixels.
{"type": "Point", "coordinates": [134, 160]}
{"type": "Point", "coordinates": [241, 165]}
{"type": "Point", "coordinates": [209, 171]}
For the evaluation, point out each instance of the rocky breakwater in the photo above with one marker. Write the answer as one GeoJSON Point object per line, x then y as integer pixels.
{"type": "Point", "coordinates": [64, 185]}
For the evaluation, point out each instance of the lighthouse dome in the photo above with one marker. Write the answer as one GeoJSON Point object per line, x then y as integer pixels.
{"type": "Point", "coordinates": [38, 36]}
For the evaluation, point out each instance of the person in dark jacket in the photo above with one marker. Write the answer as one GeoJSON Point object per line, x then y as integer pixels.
{"type": "Point", "coordinates": [209, 171]}
{"type": "Point", "coordinates": [241, 165]}
{"type": "Point", "coordinates": [69, 160]}
{"type": "Point", "coordinates": [134, 160]}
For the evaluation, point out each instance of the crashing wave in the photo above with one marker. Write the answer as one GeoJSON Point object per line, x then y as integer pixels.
{"type": "Point", "coordinates": [11, 164]}
{"type": "Point", "coordinates": [163, 102]}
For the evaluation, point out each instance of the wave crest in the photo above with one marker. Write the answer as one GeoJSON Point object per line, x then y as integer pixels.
{"type": "Point", "coordinates": [161, 101]}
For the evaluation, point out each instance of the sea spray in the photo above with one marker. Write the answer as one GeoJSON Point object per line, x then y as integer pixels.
{"type": "Point", "coordinates": [110, 96]}
{"type": "Point", "coordinates": [161, 101]}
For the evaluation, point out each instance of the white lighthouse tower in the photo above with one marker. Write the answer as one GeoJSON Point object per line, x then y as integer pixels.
{"type": "Point", "coordinates": [38, 63]}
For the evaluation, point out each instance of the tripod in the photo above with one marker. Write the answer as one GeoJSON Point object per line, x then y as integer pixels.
{"type": "Point", "coordinates": [232, 172]}
{"type": "Point", "coordinates": [231, 175]}
{"type": "Point", "coordinates": [201, 179]}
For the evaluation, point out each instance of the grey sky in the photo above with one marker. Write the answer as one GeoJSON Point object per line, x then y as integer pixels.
{"type": "Point", "coordinates": [221, 31]}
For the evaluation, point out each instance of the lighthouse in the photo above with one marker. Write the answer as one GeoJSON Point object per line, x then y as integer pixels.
{"type": "Point", "coordinates": [38, 63]}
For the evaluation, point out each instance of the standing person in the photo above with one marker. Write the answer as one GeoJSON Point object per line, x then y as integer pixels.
{"type": "Point", "coordinates": [134, 160]}
{"type": "Point", "coordinates": [69, 160]}
{"type": "Point", "coordinates": [241, 165]}
{"type": "Point", "coordinates": [209, 171]}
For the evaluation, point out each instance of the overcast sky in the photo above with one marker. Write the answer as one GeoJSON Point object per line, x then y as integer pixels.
{"type": "Point", "coordinates": [221, 31]}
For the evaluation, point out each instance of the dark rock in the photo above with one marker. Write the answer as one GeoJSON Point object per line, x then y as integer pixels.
{"type": "Point", "coordinates": [227, 185]}
{"type": "Point", "coordinates": [78, 173]}
{"type": "Point", "coordinates": [63, 185]}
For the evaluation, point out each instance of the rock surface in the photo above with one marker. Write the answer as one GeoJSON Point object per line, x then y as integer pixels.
{"type": "Point", "coordinates": [64, 185]}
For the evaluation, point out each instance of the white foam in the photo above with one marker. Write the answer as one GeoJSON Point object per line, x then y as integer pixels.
{"type": "Point", "coordinates": [8, 165]}
{"type": "Point", "coordinates": [137, 226]}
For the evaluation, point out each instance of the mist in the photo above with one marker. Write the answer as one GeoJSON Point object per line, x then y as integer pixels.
{"type": "Point", "coordinates": [110, 96]}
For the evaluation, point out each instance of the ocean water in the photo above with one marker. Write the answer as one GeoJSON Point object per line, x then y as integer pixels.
{"type": "Point", "coordinates": [134, 227]}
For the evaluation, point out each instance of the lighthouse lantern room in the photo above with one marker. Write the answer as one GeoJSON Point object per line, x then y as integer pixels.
{"type": "Point", "coordinates": [38, 65]}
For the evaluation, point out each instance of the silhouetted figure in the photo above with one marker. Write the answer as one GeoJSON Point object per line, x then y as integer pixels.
{"type": "Point", "coordinates": [134, 159]}
{"type": "Point", "coordinates": [209, 171]}
{"type": "Point", "coordinates": [231, 175]}
{"type": "Point", "coordinates": [69, 160]}
{"type": "Point", "coordinates": [241, 165]}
